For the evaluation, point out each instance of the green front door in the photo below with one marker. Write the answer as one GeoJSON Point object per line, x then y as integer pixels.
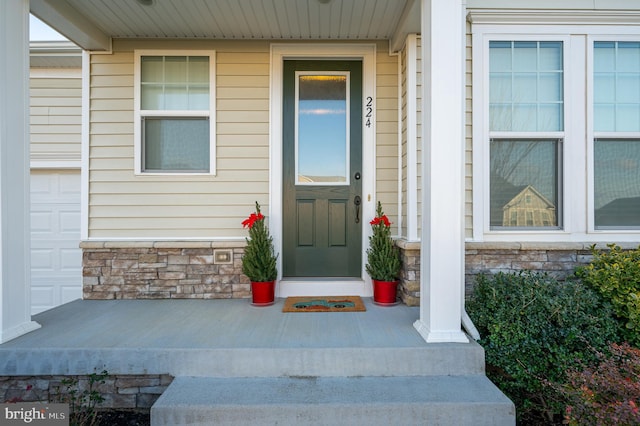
{"type": "Point", "coordinates": [322, 169]}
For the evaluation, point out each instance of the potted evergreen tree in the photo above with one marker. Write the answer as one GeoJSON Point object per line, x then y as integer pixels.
{"type": "Point", "coordinates": [259, 259]}
{"type": "Point", "coordinates": [383, 260]}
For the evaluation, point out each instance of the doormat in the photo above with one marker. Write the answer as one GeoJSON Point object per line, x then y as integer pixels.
{"type": "Point", "coordinates": [324, 304]}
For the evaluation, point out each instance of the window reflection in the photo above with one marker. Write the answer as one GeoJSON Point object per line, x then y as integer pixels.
{"type": "Point", "coordinates": [322, 125]}
{"type": "Point", "coordinates": [524, 182]}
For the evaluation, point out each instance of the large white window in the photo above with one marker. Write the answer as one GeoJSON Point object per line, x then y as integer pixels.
{"type": "Point", "coordinates": [556, 131]}
{"type": "Point", "coordinates": [175, 119]}
{"type": "Point", "coordinates": [526, 123]}
{"type": "Point", "coordinates": [616, 144]}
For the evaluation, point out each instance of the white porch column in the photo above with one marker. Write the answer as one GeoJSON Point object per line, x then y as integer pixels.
{"type": "Point", "coordinates": [442, 246]}
{"type": "Point", "coordinates": [15, 274]}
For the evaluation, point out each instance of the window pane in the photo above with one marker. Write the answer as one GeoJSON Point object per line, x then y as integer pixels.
{"type": "Point", "coordinates": [524, 183]}
{"type": "Point", "coordinates": [616, 86]}
{"type": "Point", "coordinates": [152, 69]}
{"type": "Point", "coordinates": [604, 58]}
{"type": "Point", "coordinates": [525, 118]}
{"type": "Point", "coordinates": [525, 55]}
{"type": "Point", "coordinates": [549, 116]}
{"type": "Point", "coordinates": [628, 57]}
{"type": "Point", "coordinates": [500, 56]}
{"type": "Point", "coordinates": [176, 97]}
{"type": "Point", "coordinates": [198, 97]}
{"type": "Point", "coordinates": [174, 83]}
{"type": "Point", "coordinates": [198, 69]}
{"type": "Point", "coordinates": [176, 144]}
{"type": "Point", "coordinates": [152, 96]}
{"type": "Point", "coordinates": [526, 91]}
{"type": "Point", "coordinates": [604, 87]}
{"type": "Point", "coordinates": [628, 117]}
{"type": "Point", "coordinates": [617, 183]}
{"type": "Point", "coordinates": [605, 116]}
{"type": "Point", "coordinates": [175, 69]}
{"type": "Point", "coordinates": [500, 87]}
{"type": "Point", "coordinates": [630, 82]}
{"type": "Point", "coordinates": [524, 87]}
{"type": "Point", "coordinates": [551, 56]}
{"type": "Point", "coordinates": [321, 152]}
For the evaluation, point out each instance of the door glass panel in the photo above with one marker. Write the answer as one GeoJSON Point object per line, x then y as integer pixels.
{"type": "Point", "coordinates": [322, 155]}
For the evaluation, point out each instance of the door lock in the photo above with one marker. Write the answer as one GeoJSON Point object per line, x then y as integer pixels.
{"type": "Point", "coordinates": [357, 201]}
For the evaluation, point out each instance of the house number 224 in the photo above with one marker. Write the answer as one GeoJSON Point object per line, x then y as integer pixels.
{"type": "Point", "coordinates": [368, 111]}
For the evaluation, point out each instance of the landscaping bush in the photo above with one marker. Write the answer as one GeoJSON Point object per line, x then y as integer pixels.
{"type": "Point", "coordinates": [608, 394]}
{"type": "Point", "coordinates": [615, 274]}
{"type": "Point", "coordinates": [534, 329]}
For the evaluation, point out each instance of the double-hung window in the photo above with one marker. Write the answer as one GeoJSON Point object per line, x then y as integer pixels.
{"type": "Point", "coordinates": [616, 134]}
{"type": "Point", "coordinates": [175, 119]}
{"type": "Point", "coordinates": [556, 129]}
{"type": "Point", "coordinates": [525, 132]}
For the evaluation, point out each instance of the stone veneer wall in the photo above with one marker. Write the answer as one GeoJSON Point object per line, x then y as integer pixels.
{"type": "Point", "coordinates": [162, 270]}
{"type": "Point", "coordinates": [137, 392]}
{"type": "Point", "coordinates": [409, 286]}
{"type": "Point", "coordinates": [557, 259]}
{"type": "Point", "coordinates": [166, 270]}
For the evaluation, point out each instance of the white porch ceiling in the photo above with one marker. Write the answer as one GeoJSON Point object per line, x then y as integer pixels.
{"type": "Point", "coordinates": [92, 23]}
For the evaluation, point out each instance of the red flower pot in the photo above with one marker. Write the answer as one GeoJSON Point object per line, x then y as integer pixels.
{"type": "Point", "coordinates": [384, 292]}
{"type": "Point", "coordinates": [263, 293]}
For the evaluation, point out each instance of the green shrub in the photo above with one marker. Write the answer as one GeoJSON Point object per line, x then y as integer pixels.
{"type": "Point", "coordinates": [533, 330]}
{"type": "Point", "coordinates": [608, 394]}
{"type": "Point", "coordinates": [83, 399]}
{"type": "Point", "coordinates": [615, 274]}
{"type": "Point", "coordinates": [383, 258]}
{"type": "Point", "coordinates": [259, 261]}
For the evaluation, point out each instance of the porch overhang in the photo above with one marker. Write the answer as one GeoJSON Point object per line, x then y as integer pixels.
{"type": "Point", "coordinates": [65, 19]}
{"type": "Point", "coordinates": [93, 24]}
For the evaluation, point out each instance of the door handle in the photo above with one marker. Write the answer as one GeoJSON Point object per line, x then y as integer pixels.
{"type": "Point", "coordinates": [357, 201]}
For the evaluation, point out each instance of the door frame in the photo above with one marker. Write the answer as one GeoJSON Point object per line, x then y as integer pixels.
{"type": "Point", "coordinates": [321, 51]}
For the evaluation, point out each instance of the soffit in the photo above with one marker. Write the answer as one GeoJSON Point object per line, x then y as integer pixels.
{"type": "Point", "coordinates": [87, 21]}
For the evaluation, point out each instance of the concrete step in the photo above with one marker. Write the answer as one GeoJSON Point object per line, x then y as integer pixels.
{"type": "Point", "coordinates": [405, 400]}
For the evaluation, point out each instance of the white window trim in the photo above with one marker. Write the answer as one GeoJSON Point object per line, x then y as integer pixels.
{"type": "Point", "coordinates": [211, 113]}
{"type": "Point", "coordinates": [577, 159]}
{"type": "Point", "coordinates": [482, 135]}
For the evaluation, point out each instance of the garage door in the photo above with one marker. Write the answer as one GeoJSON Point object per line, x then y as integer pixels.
{"type": "Point", "coordinates": [56, 259]}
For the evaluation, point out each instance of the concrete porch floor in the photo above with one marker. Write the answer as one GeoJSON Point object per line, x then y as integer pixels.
{"type": "Point", "coordinates": [220, 338]}
{"type": "Point", "coordinates": [225, 356]}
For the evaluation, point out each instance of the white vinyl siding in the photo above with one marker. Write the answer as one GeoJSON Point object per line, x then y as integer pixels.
{"type": "Point", "coordinates": [55, 116]}
{"type": "Point", "coordinates": [124, 205]}
{"type": "Point", "coordinates": [386, 104]}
